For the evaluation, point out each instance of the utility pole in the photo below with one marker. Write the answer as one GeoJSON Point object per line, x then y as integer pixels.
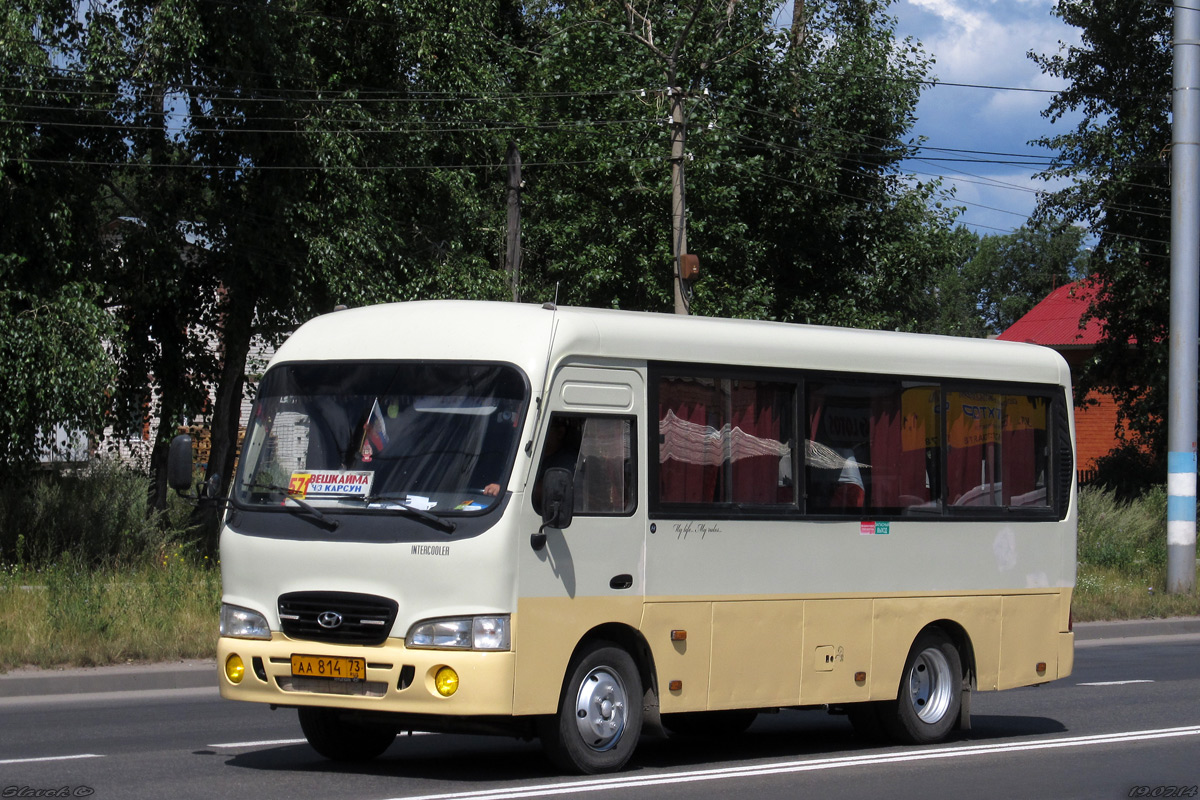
{"type": "Point", "coordinates": [678, 200]}
{"type": "Point", "coordinates": [1185, 323]}
{"type": "Point", "coordinates": [513, 238]}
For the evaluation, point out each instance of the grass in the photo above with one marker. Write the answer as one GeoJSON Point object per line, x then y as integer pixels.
{"type": "Point", "coordinates": [1104, 593]}
{"type": "Point", "coordinates": [1122, 551]}
{"type": "Point", "coordinates": [1122, 559]}
{"type": "Point", "coordinates": [79, 615]}
{"type": "Point", "coordinates": [91, 575]}
{"type": "Point", "coordinates": [84, 584]}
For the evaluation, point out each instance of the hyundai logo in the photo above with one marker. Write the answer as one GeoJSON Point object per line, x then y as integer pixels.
{"type": "Point", "coordinates": [329, 619]}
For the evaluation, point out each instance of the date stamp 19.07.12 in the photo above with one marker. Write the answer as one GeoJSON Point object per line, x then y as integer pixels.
{"type": "Point", "coordinates": [1164, 791]}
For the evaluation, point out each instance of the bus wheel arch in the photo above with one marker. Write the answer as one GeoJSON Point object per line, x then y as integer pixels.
{"type": "Point", "coordinates": [929, 697]}
{"type": "Point", "coordinates": [601, 703]}
{"type": "Point", "coordinates": [966, 650]}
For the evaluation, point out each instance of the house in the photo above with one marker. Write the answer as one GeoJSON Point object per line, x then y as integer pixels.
{"type": "Point", "coordinates": [1058, 322]}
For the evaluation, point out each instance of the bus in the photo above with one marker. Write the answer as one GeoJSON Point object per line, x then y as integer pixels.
{"type": "Point", "coordinates": [583, 525]}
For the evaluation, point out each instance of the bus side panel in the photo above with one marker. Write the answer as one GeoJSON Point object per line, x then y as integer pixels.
{"type": "Point", "coordinates": [899, 620]}
{"type": "Point", "coordinates": [546, 631]}
{"type": "Point", "coordinates": [837, 644]}
{"type": "Point", "coordinates": [685, 661]}
{"type": "Point", "coordinates": [757, 645]}
{"type": "Point", "coordinates": [1030, 638]}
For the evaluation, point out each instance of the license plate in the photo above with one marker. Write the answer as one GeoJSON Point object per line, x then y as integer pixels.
{"type": "Point", "coordinates": [337, 667]}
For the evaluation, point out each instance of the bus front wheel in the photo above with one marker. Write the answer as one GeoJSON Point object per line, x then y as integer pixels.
{"type": "Point", "coordinates": [930, 694]}
{"type": "Point", "coordinates": [599, 716]}
{"type": "Point", "coordinates": [341, 740]}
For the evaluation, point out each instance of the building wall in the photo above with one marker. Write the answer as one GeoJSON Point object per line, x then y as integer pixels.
{"type": "Point", "coordinates": [1095, 432]}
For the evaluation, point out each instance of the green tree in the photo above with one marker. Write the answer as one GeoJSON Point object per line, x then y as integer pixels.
{"type": "Point", "coordinates": [271, 170]}
{"type": "Point", "coordinates": [1120, 81]}
{"type": "Point", "coordinates": [56, 340]}
{"type": "Point", "coordinates": [254, 164]}
{"type": "Point", "coordinates": [950, 306]}
{"type": "Point", "coordinates": [1011, 273]}
{"type": "Point", "coordinates": [795, 199]}
{"type": "Point", "coordinates": [340, 195]}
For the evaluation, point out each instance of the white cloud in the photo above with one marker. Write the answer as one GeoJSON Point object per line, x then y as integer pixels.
{"type": "Point", "coordinates": [953, 13]}
{"type": "Point", "coordinates": [985, 43]}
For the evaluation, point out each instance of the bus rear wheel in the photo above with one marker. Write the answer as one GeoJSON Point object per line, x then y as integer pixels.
{"type": "Point", "coordinates": [930, 695]}
{"type": "Point", "coordinates": [342, 740]}
{"type": "Point", "coordinates": [599, 716]}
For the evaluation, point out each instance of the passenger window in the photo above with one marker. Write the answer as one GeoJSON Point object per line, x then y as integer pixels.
{"type": "Point", "coordinates": [598, 451]}
{"type": "Point", "coordinates": [725, 441]}
{"type": "Point", "coordinates": [998, 450]}
{"type": "Point", "coordinates": [872, 447]}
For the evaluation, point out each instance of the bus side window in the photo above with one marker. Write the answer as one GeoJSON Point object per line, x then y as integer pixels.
{"type": "Point", "coordinates": [604, 477]}
{"type": "Point", "coordinates": [599, 453]}
{"type": "Point", "coordinates": [872, 447]}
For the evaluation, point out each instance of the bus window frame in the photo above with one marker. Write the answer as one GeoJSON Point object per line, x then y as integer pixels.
{"type": "Point", "coordinates": [1059, 476]}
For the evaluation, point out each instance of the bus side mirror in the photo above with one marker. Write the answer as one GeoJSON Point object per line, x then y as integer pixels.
{"type": "Point", "coordinates": [558, 503]}
{"type": "Point", "coordinates": [179, 463]}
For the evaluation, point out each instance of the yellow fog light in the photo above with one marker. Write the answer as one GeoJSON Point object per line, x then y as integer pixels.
{"type": "Point", "coordinates": [446, 681]}
{"type": "Point", "coordinates": [234, 668]}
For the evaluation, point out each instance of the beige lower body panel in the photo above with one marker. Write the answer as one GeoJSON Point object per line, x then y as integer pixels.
{"type": "Point", "coordinates": [546, 631]}
{"type": "Point", "coordinates": [762, 652]}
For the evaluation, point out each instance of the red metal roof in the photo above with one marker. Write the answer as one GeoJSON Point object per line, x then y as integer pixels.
{"type": "Point", "coordinates": [1055, 321]}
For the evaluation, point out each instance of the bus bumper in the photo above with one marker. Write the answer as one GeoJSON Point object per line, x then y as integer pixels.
{"type": "Point", "coordinates": [1066, 653]}
{"type": "Point", "coordinates": [397, 679]}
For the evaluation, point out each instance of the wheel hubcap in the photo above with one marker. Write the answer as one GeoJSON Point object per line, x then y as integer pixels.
{"type": "Point", "coordinates": [930, 685]}
{"type": "Point", "coordinates": [600, 709]}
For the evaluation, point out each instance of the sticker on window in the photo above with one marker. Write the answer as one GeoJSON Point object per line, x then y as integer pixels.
{"type": "Point", "coordinates": [330, 484]}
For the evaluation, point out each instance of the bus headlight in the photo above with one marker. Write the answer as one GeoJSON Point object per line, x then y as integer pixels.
{"type": "Point", "coordinates": [242, 623]}
{"type": "Point", "coordinates": [460, 633]}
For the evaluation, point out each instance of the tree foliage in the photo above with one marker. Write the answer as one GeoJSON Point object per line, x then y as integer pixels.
{"type": "Point", "coordinates": [227, 170]}
{"type": "Point", "coordinates": [1011, 273]}
{"type": "Point", "coordinates": [56, 341]}
{"type": "Point", "coordinates": [1120, 81]}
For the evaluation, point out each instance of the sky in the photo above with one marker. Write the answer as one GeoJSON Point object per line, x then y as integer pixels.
{"type": "Point", "coordinates": [984, 42]}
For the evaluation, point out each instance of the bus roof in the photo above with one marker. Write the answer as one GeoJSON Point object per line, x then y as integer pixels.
{"type": "Point", "coordinates": [521, 334]}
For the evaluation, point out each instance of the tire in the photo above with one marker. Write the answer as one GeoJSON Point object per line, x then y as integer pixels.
{"type": "Point", "coordinates": [599, 715]}
{"type": "Point", "coordinates": [340, 740]}
{"type": "Point", "coordinates": [712, 724]}
{"type": "Point", "coordinates": [929, 698]}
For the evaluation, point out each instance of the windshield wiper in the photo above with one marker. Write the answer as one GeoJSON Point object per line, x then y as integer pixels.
{"type": "Point", "coordinates": [305, 511]}
{"type": "Point", "coordinates": [433, 520]}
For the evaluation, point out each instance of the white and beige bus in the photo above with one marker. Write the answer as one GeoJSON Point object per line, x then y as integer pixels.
{"type": "Point", "coordinates": [584, 524]}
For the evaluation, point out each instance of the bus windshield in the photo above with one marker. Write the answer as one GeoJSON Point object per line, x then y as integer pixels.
{"type": "Point", "coordinates": [435, 437]}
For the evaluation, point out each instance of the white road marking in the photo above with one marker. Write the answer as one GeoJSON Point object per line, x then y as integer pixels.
{"type": "Point", "coordinates": [49, 758]}
{"type": "Point", "coordinates": [273, 742]}
{"type": "Point", "coordinates": [1114, 683]}
{"type": "Point", "coordinates": [610, 782]}
{"type": "Point", "coordinates": [263, 743]}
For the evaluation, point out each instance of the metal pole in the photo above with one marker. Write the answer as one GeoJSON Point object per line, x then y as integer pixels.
{"type": "Point", "coordinates": [678, 197]}
{"type": "Point", "coordinates": [513, 257]}
{"type": "Point", "coordinates": [1185, 308]}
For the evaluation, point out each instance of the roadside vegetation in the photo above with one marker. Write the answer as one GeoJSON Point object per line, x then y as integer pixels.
{"type": "Point", "coordinates": [1122, 555]}
{"type": "Point", "coordinates": [90, 576]}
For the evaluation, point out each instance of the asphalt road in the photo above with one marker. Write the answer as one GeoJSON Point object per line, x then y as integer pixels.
{"type": "Point", "coordinates": [1126, 724]}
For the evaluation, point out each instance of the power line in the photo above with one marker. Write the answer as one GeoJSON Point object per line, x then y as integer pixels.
{"type": "Point", "coordinates": [328, 167]}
